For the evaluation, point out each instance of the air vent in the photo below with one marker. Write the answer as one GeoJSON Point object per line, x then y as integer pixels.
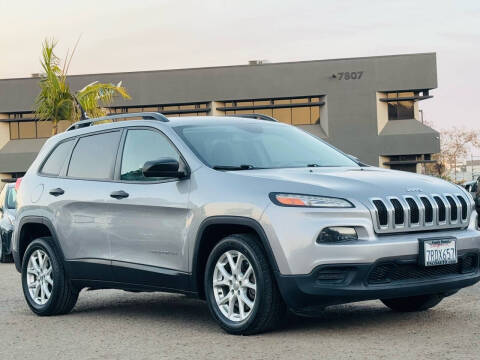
{"type": "Point", "coordinates": [453, 208]}
{"type": "Point", "coordinates": [399, 215]}
{"type": "Point", "coordinates": [464, 207]}
{"type": "Point", "coordinates": [382, 212]}
{"type": "Point", "coordinates": [414, 212]}
{"type": "Point", "coordinates": [442, 214]}
{"type": "Point", "coordinates": [428, 209]}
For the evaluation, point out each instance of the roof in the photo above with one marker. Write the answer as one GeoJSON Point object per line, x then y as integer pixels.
{"type": "Point", "coordinates": [18, 155]}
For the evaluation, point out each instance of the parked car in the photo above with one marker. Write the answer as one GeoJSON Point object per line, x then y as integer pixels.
{"type": "Point", "coordinates": [7, 213]}
{"type": "Point", "coordinates": [254, 216]}
{"type": "Point", "coordinates": [471, 187]}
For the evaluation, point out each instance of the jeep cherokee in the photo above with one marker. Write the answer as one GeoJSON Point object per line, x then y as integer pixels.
{"type": "Point", "coordinates": [254, 216]}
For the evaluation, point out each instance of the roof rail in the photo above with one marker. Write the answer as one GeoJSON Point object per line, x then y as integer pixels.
{"type": "Point", "coordinates": [257, 116]}
{"type": "Point", "coordinates": [144, 115]}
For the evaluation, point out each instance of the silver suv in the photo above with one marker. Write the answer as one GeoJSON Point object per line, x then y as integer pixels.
{"type": "Point", "coordinates": [252, 215]}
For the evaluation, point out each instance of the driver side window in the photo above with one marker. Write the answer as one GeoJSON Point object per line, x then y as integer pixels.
{"type": "Point", "coordinates": [141, 146]}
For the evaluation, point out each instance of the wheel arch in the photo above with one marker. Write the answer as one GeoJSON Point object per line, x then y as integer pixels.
{"type": "Point", "coordinates": [215, 228]}
{"type": "Point", "coordinates": [31, 228]}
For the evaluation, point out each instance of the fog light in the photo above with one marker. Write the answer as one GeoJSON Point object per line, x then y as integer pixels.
{"type": "Point", "coordinates": [337, 234]}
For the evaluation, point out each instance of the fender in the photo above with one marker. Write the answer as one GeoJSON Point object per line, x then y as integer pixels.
{"type": "Point", "coordinates": [233, 220]}
{"type": "Point", "coordinates": [35, 220]}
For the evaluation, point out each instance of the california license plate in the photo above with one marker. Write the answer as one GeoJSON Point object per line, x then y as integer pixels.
{"type": "Point", "coordinates": [435, 252]}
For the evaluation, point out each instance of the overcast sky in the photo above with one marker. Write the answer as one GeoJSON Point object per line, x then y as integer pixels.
{"type": "Point", "coordinates": [136, 35]}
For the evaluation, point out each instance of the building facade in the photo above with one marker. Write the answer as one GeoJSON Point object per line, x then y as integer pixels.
{"type": "Point", "coordinates": [367, 107]}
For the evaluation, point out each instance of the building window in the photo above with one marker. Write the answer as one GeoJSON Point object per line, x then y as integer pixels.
{"type": "Point", "coordinates": [399, 109]}
{"type": "Point", "coordinates": [35, 129]}
{"type": "Point", "coordinates": [172, 110]}
{"type": "Point", "coordinates": [295, 111]}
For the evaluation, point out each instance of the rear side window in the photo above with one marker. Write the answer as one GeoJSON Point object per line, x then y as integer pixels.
{"type": "Point", "coordinates": [94, 156]}
{"type": "Point", "coordinates": [57, 158]}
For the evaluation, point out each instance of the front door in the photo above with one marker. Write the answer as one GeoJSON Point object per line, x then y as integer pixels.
{"type": "Point", "coordinates": [150, 216]}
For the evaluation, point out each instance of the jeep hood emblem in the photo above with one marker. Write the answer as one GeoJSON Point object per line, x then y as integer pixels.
{"type": "Point", "coordinates": [414, 190]}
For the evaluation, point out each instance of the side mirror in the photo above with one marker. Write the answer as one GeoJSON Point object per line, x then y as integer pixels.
{"type": "Point", "coordinates": [168, 168]}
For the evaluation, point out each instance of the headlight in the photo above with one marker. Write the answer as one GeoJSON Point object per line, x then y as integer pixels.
{"type": "Point", "coordinates": [299, 200]}
{"type": "Point", "coordinates": [337, 234]}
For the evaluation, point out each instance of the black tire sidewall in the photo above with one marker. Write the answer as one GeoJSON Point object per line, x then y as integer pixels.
{"type": "Point", "coordinates": [57, 275]}
{"type": "Point", "coordinates": [232, 243]}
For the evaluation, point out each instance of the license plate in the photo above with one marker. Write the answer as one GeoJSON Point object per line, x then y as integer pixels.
{"type": "Point", "coordinates": [435, 252]}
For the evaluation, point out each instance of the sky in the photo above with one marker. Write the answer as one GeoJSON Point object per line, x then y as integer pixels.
{"type": "Point", "coordinates": [118, 35]}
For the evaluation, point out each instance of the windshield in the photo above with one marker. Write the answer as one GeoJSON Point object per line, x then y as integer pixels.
{"type": "Point", "coordinates": [259, 145]}
{"type": "Point", "coordinates": [11, 199]}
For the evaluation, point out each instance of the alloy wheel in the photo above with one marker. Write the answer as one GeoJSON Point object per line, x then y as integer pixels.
{"type": "Point", "coordinates": [39, 277]}
{"type": "Point", "coordinates": [234, 286]}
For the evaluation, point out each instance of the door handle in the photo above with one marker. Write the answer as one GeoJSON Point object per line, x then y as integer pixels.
{"type": "Point", "coordinates": [119, 194]}
{"type": "Point", "coordinates": [56, 192]}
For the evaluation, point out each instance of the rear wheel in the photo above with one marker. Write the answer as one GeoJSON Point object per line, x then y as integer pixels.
{"type": "Point", "coordinates": [46, 287]}
{"type": "Point", "coordinates": [413, 303]}
{"type": "Point", "coordinates": [240, 288]}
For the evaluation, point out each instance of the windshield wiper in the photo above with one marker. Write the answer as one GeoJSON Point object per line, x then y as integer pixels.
{"type": "Point", "coordinates": [232, 167]}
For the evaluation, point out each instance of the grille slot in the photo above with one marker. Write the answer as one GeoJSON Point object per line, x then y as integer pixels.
{"type": "Point", "coordinates": [392, 272]}
{"type": "Point", "coordinates": [414, 211]}
{"type": "Point", "coordinates": [453, 208]}
{"type": "Point", "coordinates": [428, 209]}
{"type": "Point", "coordinates": [399, 215]}
{"type": "Point", "coordinates": [464, 207]}
{"type": "Point", "coordinates": [442, 213]}
{"type": "Point", "coordinates": [382, 212]}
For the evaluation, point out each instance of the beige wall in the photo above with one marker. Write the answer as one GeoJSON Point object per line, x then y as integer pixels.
{"type": "Point", "coordinates": [382, 112]}
{"type": "Point", "coordinates": [4, 176]}
{"type": "Point", "coordinates": [381, 160]}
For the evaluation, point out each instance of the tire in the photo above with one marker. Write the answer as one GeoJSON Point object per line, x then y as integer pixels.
{"type": "Point", "coordinates": [63, 296]}
{"type": "Point", "coordinates": [268, 308]}
{"type": "Point", "coordinates": [4, 258]}
{"type": "Point", "coordinates": [413, 303]}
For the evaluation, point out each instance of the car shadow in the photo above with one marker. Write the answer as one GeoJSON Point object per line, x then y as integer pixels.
{"type": "Point", "coordinates": [184, 311]}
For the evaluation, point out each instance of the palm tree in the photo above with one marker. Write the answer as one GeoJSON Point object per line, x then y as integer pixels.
{"type": "Point", "coordinates": [56, 102]}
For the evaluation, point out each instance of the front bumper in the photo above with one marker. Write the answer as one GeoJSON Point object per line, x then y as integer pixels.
{"type": "Point", "coordinates": [385, 278]}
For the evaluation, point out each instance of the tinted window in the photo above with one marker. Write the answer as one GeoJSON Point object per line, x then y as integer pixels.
{"type": "Point", "coordinates": [57, 158]}
{"type": "Point", "coordinates": [261, 144]}
{"type": "Point", "coordinates": [11, 198]}
{"type": "Point", "coordinates": [142, 146]}
{"type": "Point", "coordinates": [94, 156]}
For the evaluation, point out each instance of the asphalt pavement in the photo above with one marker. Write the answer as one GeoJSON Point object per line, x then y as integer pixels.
{"type": "Point", "coordinates": [112, 324]}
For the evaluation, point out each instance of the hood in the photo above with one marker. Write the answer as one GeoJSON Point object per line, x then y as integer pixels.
{"type": "Point", "coordinates": [357, 182]}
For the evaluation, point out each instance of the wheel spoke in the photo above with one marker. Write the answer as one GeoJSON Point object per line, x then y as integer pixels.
{"type": "Point", "coordinates": [246, 300]}
{"type": "Point", "coordinates": [231, 305]}
{"type": "Point", "coordinates": [223, 271]}
{"type": "Point", "coordinates": [49, 280]}
{"type": "Point", "coordinates": [249, 285]}
{"type": "Point", "coordinates": [223, 282]}
{"type": "Point", "coordinates": [46, 292]}
{"type": "Point", "coordinates": [224, 299]}
{"type": "Point", "coordinates": [231, 262]}
{"type": "Point", "coordinates": [247, 273]}
{"type": "Point", "coordinates": [241, 307]}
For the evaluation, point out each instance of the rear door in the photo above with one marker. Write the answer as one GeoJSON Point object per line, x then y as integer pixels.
{"type": "Point", "coordinates": [82, 206]}
{"type": "Point", "coordinates": [149, 224]}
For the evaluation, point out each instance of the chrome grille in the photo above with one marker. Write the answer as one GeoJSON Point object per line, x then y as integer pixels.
{"type": "Point", "coordinates": [420, 212]}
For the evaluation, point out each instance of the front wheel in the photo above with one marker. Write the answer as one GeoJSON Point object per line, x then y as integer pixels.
{"type": "Point", "coordinates": [413, 303]}
{"type": "Point", "coordinates": [46, 287]}
{"type": "Point", "coordinates": [240, 289]}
